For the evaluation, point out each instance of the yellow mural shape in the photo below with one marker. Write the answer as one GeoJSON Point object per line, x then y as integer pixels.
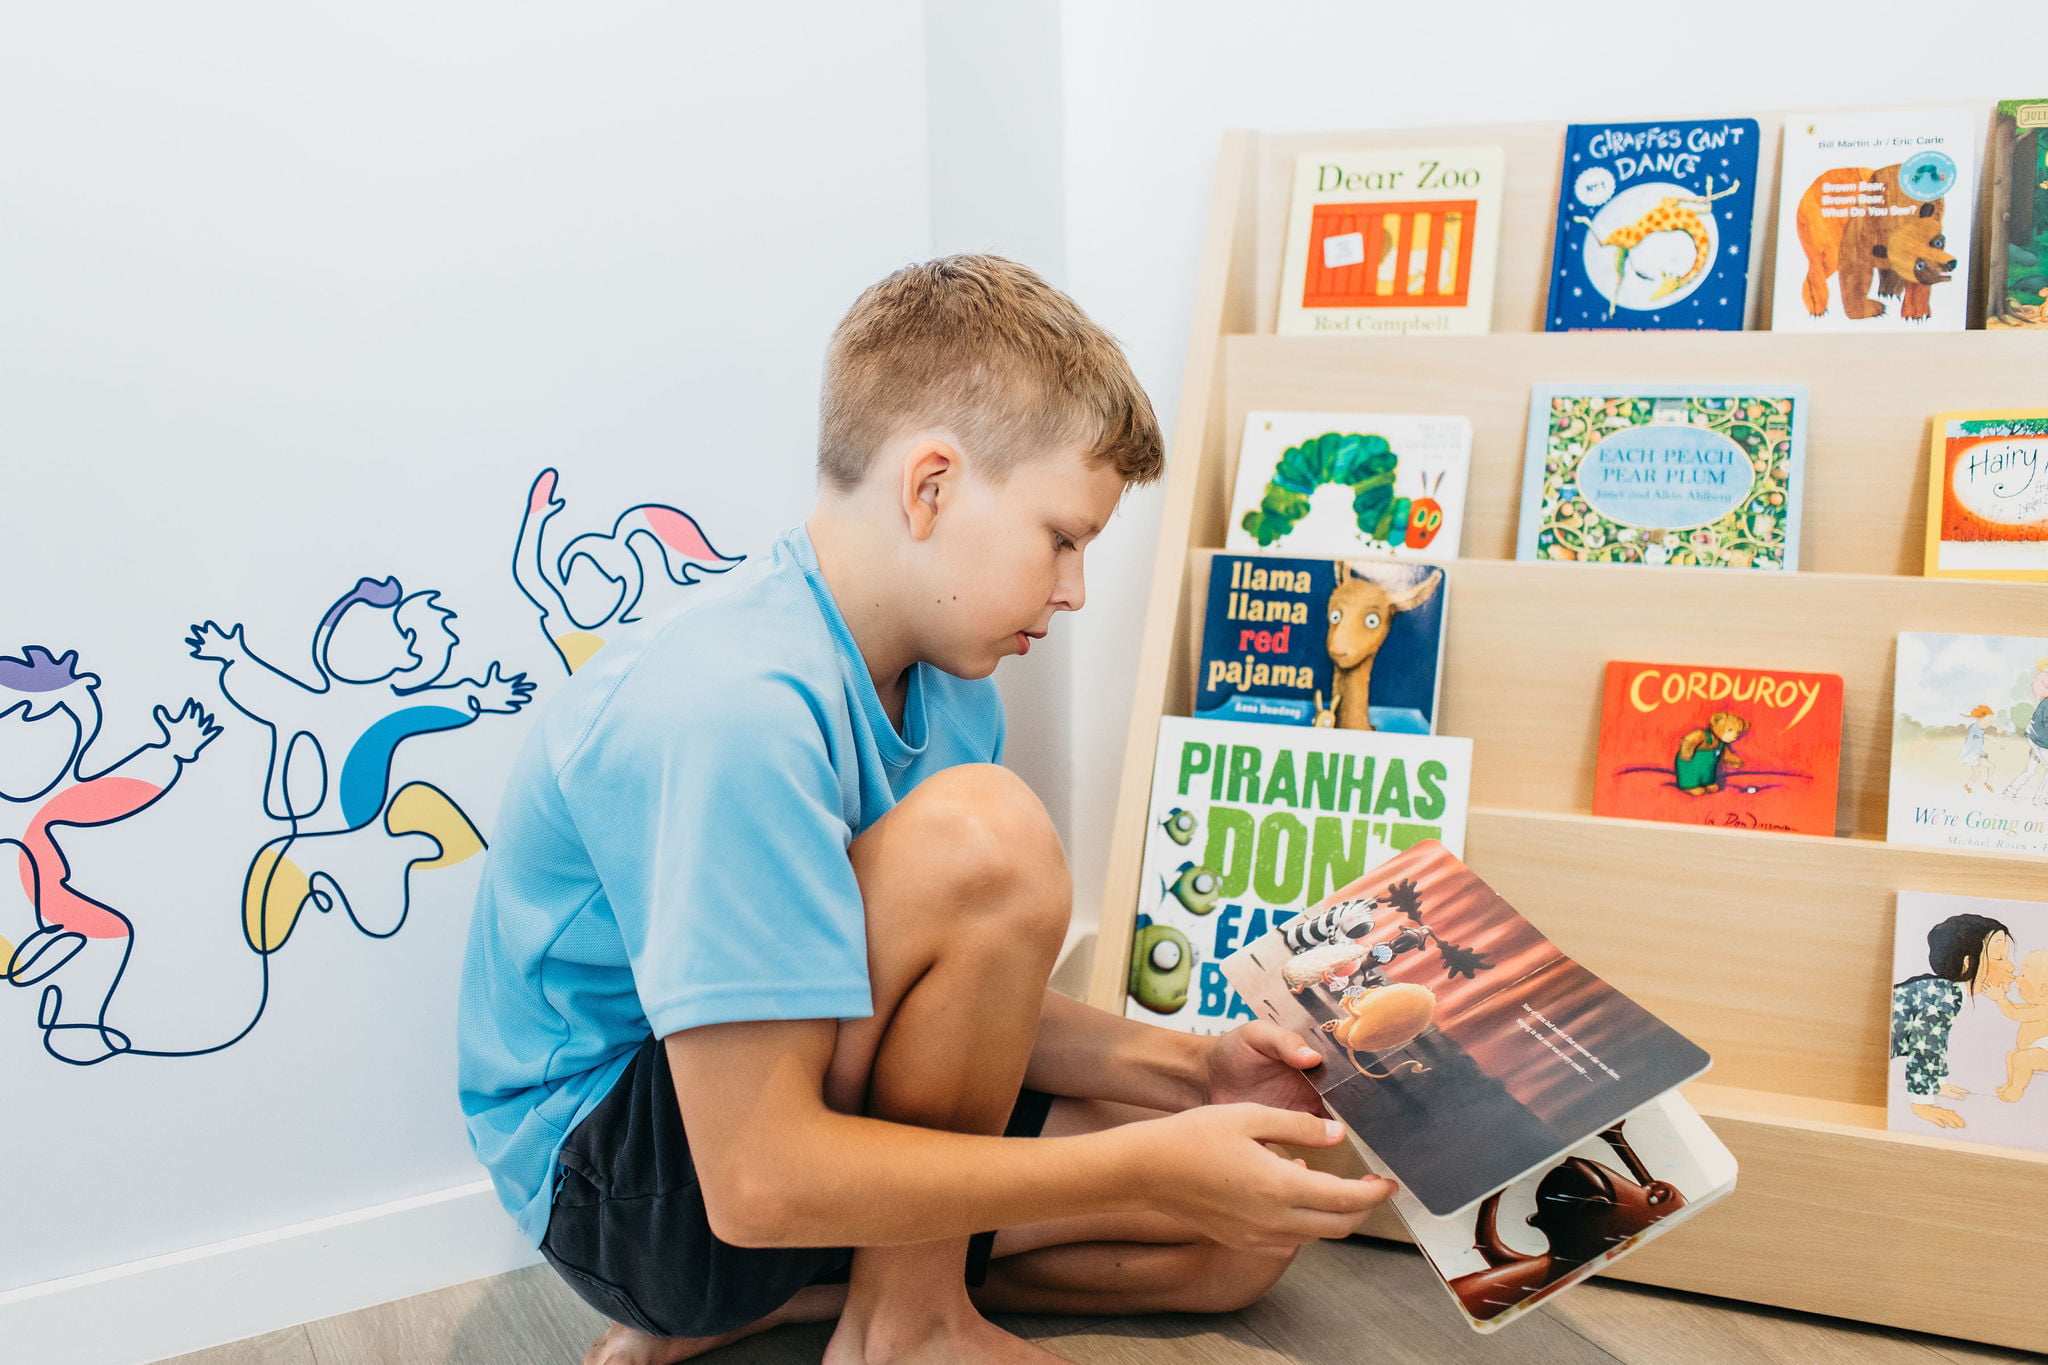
{"type": "Point", "coordinates": [422, 809]}
{"type": "Point", "coordinates": [271, 899]}
{"type": "Point", "coordinates": [577, 647]}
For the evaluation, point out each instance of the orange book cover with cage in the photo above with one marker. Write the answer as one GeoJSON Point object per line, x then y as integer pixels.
{"type": "Point", "coordinates": [1391, 241]}
{"type": "Point", "coordinates": [1745, 748]}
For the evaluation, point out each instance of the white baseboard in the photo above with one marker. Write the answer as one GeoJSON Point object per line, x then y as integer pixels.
{"type": "Point", "coordinates": [190, 1300]}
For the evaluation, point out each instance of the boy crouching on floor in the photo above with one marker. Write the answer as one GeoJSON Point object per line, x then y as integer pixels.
{"type": "Point", "coordinates": [754, 1021]}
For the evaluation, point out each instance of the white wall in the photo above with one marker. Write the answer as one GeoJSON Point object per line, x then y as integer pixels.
{"type": "Point", "coordinates": [299, 292]}
{"type": "Point", "coordinates": [993, 116]}
{"type": "Point", "coordinates": [1152, 85]}
{"type": "Point", "coordinates": [477, 239]}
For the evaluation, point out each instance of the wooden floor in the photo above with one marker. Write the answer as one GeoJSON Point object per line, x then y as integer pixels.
{"type": "Point", "coordinates": [1343, 1302]}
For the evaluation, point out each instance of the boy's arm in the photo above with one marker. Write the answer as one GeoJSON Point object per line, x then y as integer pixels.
{"type": "Point", "coordinates": [1090, 1054]}
{"type": "Point", "coordinates": [779, 1168]}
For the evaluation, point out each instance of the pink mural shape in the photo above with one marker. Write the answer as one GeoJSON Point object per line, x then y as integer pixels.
{"type": "Point", "coordinates": [74, 947]}
{"type": "Point", "coordinates": [600, 580]}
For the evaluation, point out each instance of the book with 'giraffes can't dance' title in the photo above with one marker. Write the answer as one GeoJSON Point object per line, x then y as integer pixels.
{"type": "Point", "coordinates": [1654, 227]}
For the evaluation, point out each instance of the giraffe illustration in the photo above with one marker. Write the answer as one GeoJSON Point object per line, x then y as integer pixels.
{"type": "Point", "coordinates": [1672, 214]}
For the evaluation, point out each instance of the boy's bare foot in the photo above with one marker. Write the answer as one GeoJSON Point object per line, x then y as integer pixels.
{"type": "Point", "coordinates": [622, 1345]}
{"type": "Point", "coordinates": [950, 1340]}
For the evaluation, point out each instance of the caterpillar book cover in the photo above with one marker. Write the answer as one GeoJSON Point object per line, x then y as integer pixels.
{"type": "Point", "coordinates": [1351, 483]}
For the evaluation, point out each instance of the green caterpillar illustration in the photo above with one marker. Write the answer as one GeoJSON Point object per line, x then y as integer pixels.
{"type": "Point", "coordinates": [1364, 464]}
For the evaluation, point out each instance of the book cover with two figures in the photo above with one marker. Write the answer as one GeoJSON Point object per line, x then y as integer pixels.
{"type": "Point", "coordinates": [1706, 477]}
{"type": "Point", "coordinates": [1355, 644]}
{"type": "Point", "coordinates": [1740, 747]}
{"type": "Point", "coordinates": [1391, 242]}
{"type": "Point", "coordinates": [1969, 1020]}
{"type": "Point", "coordinates": [1987, 495]}
{"type": "Point", "coordinates": [1653, 226]}
{"type": "Point", "coordinates": [1970, 743]}
{"type": "Point", "coordinates": [1524, 1106]}
{"type": "Point", "coordinates": [1249, 823]}
{"type": "Point", "coordinates": [1351, 483]}
{"type": "Point", "coordinates": [2016, 259]}
{"type": "Point", "coordinates": [1875, 215]}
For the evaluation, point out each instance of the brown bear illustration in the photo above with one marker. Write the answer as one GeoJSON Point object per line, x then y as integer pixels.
{"type": "Point", "coordinates": [1900, 243]}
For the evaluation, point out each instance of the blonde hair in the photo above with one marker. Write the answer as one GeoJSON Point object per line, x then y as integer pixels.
{"type": "Point", "coordinates": [983, 346]}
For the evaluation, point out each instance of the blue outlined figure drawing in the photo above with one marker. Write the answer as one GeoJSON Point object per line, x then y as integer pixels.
{"type": "Point", "coordinates": [600, 579]}
{"type": "Point", "coordinates": [379, 657]}
{"type": "Point", "coordinates": [52, 934]}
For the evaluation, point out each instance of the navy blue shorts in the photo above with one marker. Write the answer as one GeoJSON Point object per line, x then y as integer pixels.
{"type": "Point", "coordinates": [629, 1234]}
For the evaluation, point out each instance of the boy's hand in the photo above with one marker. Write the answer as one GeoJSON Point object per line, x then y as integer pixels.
{"type": "Point", "coordinates": [1261, 1063]}
{"type": "Point", "coordinates": [1210, 1168]}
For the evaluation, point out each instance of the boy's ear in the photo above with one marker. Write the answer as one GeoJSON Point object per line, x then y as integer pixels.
{"type": "Point", "coordinates": [929, 469]}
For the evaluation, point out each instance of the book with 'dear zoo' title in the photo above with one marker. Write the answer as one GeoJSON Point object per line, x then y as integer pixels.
{"type": "Point", "coordinates": [1392, 242]}
{"type": "Point", "coordinates": [1527, 1110]}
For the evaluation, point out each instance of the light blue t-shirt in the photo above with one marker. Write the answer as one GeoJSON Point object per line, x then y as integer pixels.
{"type": "Point", "coordinates": [672, 850]}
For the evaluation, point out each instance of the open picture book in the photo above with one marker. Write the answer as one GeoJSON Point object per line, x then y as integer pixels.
{"type": "Point", "coordinates": [1528, 1111]}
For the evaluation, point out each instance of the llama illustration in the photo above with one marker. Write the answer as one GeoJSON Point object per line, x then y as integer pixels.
{"type": "Point", "coordinates": [1361, 612]}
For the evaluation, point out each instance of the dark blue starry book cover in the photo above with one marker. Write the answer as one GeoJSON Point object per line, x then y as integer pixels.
{"type": "Point", "coordinates": [1654, 227]}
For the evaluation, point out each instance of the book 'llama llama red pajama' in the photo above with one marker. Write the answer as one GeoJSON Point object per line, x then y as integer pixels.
{"type": "Point", "coordinates": [1742, 747]}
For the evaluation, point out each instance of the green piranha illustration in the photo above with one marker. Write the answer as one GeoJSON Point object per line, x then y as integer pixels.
{"type": "Point", "coordinates": [1179, 825]}
{"type": "Point", "coordinates": [1196, 888]}
{"type": "Point", "coordinates": [1162, 965]}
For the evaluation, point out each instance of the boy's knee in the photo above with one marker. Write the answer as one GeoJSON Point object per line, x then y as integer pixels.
{"type": "Point", "coordinates": [1223, 1279]}
{"type": "Point", "coordinates": [993, 836]}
